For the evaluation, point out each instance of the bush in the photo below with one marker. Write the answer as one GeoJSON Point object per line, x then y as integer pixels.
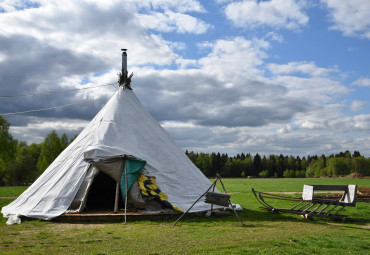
{"type": "Point", "coordinates": [289, 173]}
{"type": "Point", "coordinates": [243, 174]}
{"type": "Point", "coordinates": [300, 174]}
{"type": "Point", "coordinates": [264, 174]}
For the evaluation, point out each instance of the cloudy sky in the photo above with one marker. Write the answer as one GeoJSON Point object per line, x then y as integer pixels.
{"type": "Point", "coordinates": [277, 76]}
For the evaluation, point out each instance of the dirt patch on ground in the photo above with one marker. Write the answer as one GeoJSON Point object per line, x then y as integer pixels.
{"type": "Point", "coordinates": [285, 193]}
{"type": "Point", "coordinates": [297, 192]}
{"type": "Point", "coordinates": [355, 175]}
{"type": "Point", "coordinates": [365, 226]}
{"type": "Point", "coordinates": [68, 226]}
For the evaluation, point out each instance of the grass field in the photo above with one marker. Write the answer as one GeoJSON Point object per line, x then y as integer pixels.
{"type": "Point", "coordinates": [262, 233]}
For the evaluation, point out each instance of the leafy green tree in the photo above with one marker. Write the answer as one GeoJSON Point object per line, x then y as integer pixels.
{"type": "Point", "coordinates": [337, 166]}
{"type": "Point", "coordinates": [226, 170]}
{"type": "Point", "coordinates": [315, 167]}
{"type": "Point", "coordinates": [257, 164]}
{"type": "Point", "coordinates": [24, 168]}
{"type": "Point", "coordinates": [356, 154]}
{"type": "Point", "coordinates": [242, 156]}
{"type": "Point", "coordinates": [271, 165]}
{"type": "Point", "coordinates": [204, 164]}
{"type": "Point", "coordinates": [264, 174]}
{"type": "Point", "coordinates": [281, 165]}
{"type": "Point", "coordinates": [64, 141]}
{"type": "Point", "coordinates": [263, 163]}
{"type": "Point", "coordinates": [291, 163]}
{"type": "Point", "coordinates": [50, 149]}
{"type": "Point", "coordinates": [300, 173]}
{"type": "Point", "coordinates": [224, 159]}
{"type": "Point", "coordinates": [243, 174]}
{"type": "Point", "coordinates": [304, 163]}
{"type": "Point", "coordinates": [7, 148]}
{"type": "Point", "coordinates": [289, 173]}
{"type": "Point", "coordinates": [237, 167]}
{"type": "Point", "coordinates": [361, 165]}
{"type": "Point", "coordinates": [247, 164]}
{"type": "Point", "coordinates": [215, 164]}
{"type": "Point", "coordinates": [192, 156]}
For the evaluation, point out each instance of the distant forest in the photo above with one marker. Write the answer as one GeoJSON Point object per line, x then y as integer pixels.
{"type": "Point", "coordinates": [21, 163]}
{"type": "Point", "coordinates": [244, 165]}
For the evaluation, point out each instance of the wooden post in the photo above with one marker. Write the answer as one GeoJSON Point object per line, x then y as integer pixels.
{"type": "Point", "coordinates": [126, 192]}
{"type": "Point", "coordinates": [116, 199]}
{"type": "Point", "coordinates": [182, 215]}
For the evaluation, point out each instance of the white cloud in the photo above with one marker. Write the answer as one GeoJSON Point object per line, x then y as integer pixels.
{"type": "Point", "coordinates": [317, 89]}
{"type": "Point", "coordinates": [230, 58]}
{"type": "Point", "coordinates": [37, 129]}
{"type": "Point", "coordinates": [275, 37]}
{"type": "Point", "coordinates": [357, 105]}
{"type": "Point", "coordinates": [362, 122]}
{"type": "Point", "coordinates": [222, 101]}
{"type": "Point", "coordinates": [308, 68]}
{"type": "Point", "coordinates": [286, 14]}
{"type": "Point", "coordinates": [176, 5]}
{"type": "Point", "coordinates": [170, 21]}
{"type": "Point", "coordinates": [362, 82]}
{"type": "Point", "coordinates": [350, 17]}
{"type": "Point", "coordinates": [3, 57]}
{"type": "Point", "coordinates": [186, 63]}
{"type": "Point", "coordinates": [87, 28]}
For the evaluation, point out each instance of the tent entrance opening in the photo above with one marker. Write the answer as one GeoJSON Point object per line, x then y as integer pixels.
{"type": "Point", "coordinates": [102, 193]}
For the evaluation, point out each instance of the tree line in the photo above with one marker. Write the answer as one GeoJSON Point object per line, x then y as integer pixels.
{"type": "Point", "coordinates": [244, 165]}
{"type": "Point", "coordinates": [21, 163]}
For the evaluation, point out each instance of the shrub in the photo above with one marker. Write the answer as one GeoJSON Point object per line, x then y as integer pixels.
{"type": "Point", "coordinates": [264, 174]}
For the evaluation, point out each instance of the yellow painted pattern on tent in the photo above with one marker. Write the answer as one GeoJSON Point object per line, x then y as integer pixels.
{"type": "Point", "coordinates": [149, 190]}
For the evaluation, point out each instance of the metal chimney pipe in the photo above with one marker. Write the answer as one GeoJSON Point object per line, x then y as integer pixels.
{"type": "Point", "coordinates": [124, 61]}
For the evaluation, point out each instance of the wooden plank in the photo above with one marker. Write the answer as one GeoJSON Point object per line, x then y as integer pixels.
{"type": "Point", "coordinates": [217, 199]}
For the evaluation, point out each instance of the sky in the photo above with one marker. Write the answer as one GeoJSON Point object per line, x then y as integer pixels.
{"type": "Point", "coordinates": [287, 77]}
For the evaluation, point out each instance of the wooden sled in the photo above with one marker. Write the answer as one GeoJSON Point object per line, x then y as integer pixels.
{"type": "Point", "coordinates": [310, 205]}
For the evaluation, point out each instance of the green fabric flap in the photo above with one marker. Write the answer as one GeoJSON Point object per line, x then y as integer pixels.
{"type": "Point", "coordinates": [133, 169]}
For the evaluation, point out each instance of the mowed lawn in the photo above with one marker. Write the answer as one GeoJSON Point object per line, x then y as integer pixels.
{"type": "Point", "coordinates": [262, 233]}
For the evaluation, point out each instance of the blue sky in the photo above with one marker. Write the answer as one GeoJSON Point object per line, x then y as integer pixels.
{"type": "Point", "coordinates": [276, 76]}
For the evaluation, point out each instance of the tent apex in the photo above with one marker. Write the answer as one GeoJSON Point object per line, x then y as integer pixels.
{"type": "Point", "coordinates": [123, 79]}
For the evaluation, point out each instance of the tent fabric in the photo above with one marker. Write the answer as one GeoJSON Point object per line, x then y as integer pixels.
{"type": "Point", "coordinates": [137, 203]}
{"type": "Point", "coordinates": [111, 166]}
{"type": "Point", "coordinates": [133, 170]}
{"type": "Point", "coordinates": [149, 191]}
{"type": "Point", "coordinates": [79, 202]}
{"type": "Point", "coordinates": [122, 127]}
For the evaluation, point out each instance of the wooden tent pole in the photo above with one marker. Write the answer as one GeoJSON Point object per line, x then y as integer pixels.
{"type": "Point", "coordinates": [116, 199]}
{"type": "Point", "coordinates": [126, 192]}
{"type": "Point", "coordinates": [213, 190]}
{"type": "Point", "coordinates": [182, 215]}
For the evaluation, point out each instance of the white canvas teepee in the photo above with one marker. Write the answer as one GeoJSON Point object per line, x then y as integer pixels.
{"type": "Point", "coordinates": [122, 127]}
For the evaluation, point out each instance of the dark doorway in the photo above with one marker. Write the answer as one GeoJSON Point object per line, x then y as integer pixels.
{"type": "Point", "coordinates": [102, 193]}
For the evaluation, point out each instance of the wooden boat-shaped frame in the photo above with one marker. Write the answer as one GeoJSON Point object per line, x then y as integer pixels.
{"type": "Point", "coordinates": [310, 205]}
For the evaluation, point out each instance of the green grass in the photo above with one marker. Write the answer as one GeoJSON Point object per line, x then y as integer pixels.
{"type": "Point", "coordinates": [11, 191]}
{"type": "Point", "coordinates": [262, 233]}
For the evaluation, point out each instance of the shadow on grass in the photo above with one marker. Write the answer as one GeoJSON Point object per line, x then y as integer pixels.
{"type": "Point", "coordinates": [248, 216]}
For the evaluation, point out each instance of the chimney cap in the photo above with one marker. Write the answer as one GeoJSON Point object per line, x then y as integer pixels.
{"type": "Point", "coordinates": [123, 49]}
